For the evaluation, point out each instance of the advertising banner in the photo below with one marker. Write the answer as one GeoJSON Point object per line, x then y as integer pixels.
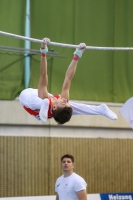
{"type": "Point", "coordinates": [117, 196]}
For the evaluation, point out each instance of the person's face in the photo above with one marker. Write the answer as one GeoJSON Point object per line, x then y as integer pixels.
{"type": "Point", "coordinates": [67, 164]}
{"type": "Point", "coordinates": [61, 103]}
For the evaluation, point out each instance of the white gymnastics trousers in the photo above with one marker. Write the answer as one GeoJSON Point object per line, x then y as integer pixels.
{"type": "Point", "coordinates": [29, 98]}
{"type": "Point", "coordinates": [127, 111]}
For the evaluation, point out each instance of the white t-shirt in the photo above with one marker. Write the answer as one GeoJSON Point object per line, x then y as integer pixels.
{"type": "Point", "coordinates": [66, 187]}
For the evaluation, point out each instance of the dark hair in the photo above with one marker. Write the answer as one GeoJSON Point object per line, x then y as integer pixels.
{"type": "Point", "coordinates": [62, 115]}
{"type": "Point", "coordinates": [68, 156]}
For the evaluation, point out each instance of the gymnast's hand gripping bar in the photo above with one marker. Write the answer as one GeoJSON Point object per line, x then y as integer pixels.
{"type": "Point", "coordinates": [65, 45]}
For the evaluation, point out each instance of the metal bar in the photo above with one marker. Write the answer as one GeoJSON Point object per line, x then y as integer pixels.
{"type": "Point", "coordinates": [27, 45]}
{"type": "Point", "coordinates": [29, 51]}
{"type": "Point", "coordinates": [67, 45]}
{"type": "Point", "coordinates": [26, 50]}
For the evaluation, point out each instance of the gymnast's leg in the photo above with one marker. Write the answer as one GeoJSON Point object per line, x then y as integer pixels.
{"type": "Point", "coordinates": [29, 98]}
{"type": "Point", "coordinates": [84, 109]}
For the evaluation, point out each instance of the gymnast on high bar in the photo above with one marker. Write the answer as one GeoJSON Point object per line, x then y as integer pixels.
{"type": "Point", "coordinates": [43, 105]}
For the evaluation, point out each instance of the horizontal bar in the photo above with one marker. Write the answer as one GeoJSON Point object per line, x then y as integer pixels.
{"type": "Point", "coordinates": [66, 45]}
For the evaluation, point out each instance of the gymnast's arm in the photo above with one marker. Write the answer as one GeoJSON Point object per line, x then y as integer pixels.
{"type": "Point", "coordinates": [82, 195]}
{"type": "Point", "coordinates": [68, 78]}
{"type": "Point", "coordinates": [43, 80]}
{"type": "Point", "coordinates": [71, 71]}
{"type": "Point", "coordinates": [57, 197]}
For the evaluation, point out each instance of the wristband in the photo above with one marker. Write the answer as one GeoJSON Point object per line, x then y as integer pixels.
{"type": "Point", "coordinates": [75, 57]}
{"type": "Point", "coordinates": [44, 50]}
{"type": "Point", "coordinates": [78, 53]}
{"type": "Point", "coordinates": [43, 54]}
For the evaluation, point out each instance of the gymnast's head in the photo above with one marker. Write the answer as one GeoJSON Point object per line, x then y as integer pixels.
{"type": "Point", "coordinates": [62, 111]}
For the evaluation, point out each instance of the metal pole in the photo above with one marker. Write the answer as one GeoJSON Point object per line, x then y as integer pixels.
{"type": "Point", "coordinates": [27, 45]}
